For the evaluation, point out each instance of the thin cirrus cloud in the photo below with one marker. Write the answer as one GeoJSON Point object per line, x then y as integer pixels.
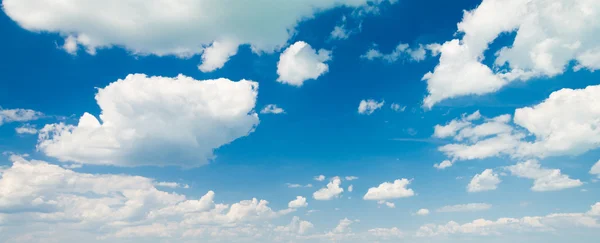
{"type": "Point", "coordinates": [182, 28]}
{"type": "Point", "coordinates": [161, 123]}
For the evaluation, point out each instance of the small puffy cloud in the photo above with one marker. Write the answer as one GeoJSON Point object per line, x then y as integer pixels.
{"type": "Point", "coordinates": [18, 115]}
{"type": "Point", "coordinates": [351, 178]}
{"type": "Point", "coordinates": [595, 170]}
{"type": "Point", "coordinates": [319, 178]}
{"type": "Point", "coordinates": [388, 190]}
{"type": "Point", "coordinates": [367, 107]}
{"type": "Point", "coordinates": [333, 190]}
{"type": "Point", "coordinates": [299, 202]}
{"type": "Point", "coordinates": [181, 28]}
{"type": "Point", "coordinates": [397, 107]}
{"type": "Point", "coordinates": [423, 212]}
{"type": "Point", "coordinates": [272, 109]}
{"type": "Point", "coordinates": [350, 188]}
{"type": "Point", "coordinates": [445, 164]}
{"type": "Point", "coordinates": [386, 203]}
{"type": "Point", "coordinates": [297, 226]}
{"type": "Point", "coordinates": [486, 181]}
{"type": "Point", "coordinates": [471, 207]}
{"type": "Point", "coordinates": [26, 129]}
{"type": "Point", "coordinates": [156, 121]}
{"type": "Point", "coordinates": [300, 62]}
{"type": "Point", "coordinates": [543, 179]}
{"type": "Point", "coordinates": [340, 32]}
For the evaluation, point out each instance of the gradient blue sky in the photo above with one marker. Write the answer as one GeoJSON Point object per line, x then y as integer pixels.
{"type": "Point", "coordinates": [320, 133]}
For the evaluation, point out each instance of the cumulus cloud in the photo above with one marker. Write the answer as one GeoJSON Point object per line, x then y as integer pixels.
{"type": "Point", "coordinates": [156, 121]}
{"type": "Point", "coordinates": [546, 223]}
{"type": "Point", "coordinates": [18, 115]}
{"type": "Point", "coordinates": [181, 27]}
{"type": "Point", "coordinates": [486, 181]}
{"type": "Point", "coordinates": [299, 202]}
{"type": "Point", "coordinates": [471, 207]}
{"type": "Point", "coordinates": [543, 179]}
{"type": "Point", "coordinates": [297, 226]}
{"type": "Point", "coordinates": [26, 129]}
{"type": "Point", "coordinates": [272, 109]}
{"type": "Point", "coordinates": [333, 190]}
{"type": "Point", "coordinates": [595, 170]}
{"type": "Point", "coordinates": [443, 165]}
{"type": "Point", "coordinates": [300, 62]}
{"type": "Point", "coordinates": [388, 190]}
{"type": "Point", "coordinates": [350, 188]}
{"type": "Point", "coordinates": [387, 204]}
{"type": "Point", "coordinates": [423, 212]}
{"type": "Point", "coordinates": [319, 178]}
{"type": "Point", "coordinates": [36, 193]}
{"type": "Point", "coordinates": [541, 48]}
{"type": "Point", "coordinates": [367, 107]}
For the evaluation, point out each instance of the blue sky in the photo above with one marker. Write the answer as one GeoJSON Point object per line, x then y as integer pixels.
{"type": "Point", "coordinates": [498, 142]}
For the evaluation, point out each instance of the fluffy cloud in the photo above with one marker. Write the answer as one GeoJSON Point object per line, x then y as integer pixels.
{"type": "Point", "coordinates": [35, 193]}
{"type": "Point", "coordinates": [297, 226]}
{"type": "Point", "coordinates": [18, 115]}
{"type": "Point", "coordinates": [423, 212]}
{"type": "Point", "coordinates": [181, 27]}
{"type": "Point", "coordinates": [26, 129]}
{"type": "Point", "coordinates": [543, 47]}
{"type": "Point", "coordinates": [300, 62]}
{"type": "Point", "coordinates": [486, 181]}
{"type": "Point", "coordinates": [397, 107]}
{"type": "Point", "coordinates": [272, 109]}
{"type": "Point", "coordinates": [595, 170]}
{"type": "Point", "coordinates": [549, 222]}
{"type": "Point", "coordinates": [471, 207]}
{"type": "Point", "coordinates": [445, 164]}
{"type": "Point", "coordinates": [387, 204]}
{"type": "Point", "coordinates": [388, 190]}
{"type": "Point", "coordinates": [401, 52]}
{"type": "Point", "coordinates": [299, 202]}
{"type": "Point", "coordinates": [333, 190]}
{"type": "Point", "coordinates": [543, 179]}
{"type": "Point", "coordinates": [367, 107]}
{"type": "Point", "coordinates": [350, 188]}
{"type": "Point", "coordinates": [319, 178]}
{"type": "Point", "coordinates": [166, 121]}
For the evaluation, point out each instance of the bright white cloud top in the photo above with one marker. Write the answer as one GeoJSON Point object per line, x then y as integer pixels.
{"type": "Point", "coordinates": [180, 27]}
{"type": "Point", "coordinates": [18, 115]}
{"type": "Point", "coordinates": [156, 121]}
{"type": "Point", "coordinates": [300, 62]}
{"type": "Point", "coordinates": [543, 47]}
{"type": "Point", "coordinates": [388, 190]}
{"type": "Point", "coordinates": [367, 107]}
{"type": "Point", "coordinates": [543, 179]}
{"type": "Point", "coordinates": [299, 202]}
{"type": "Point", "coordinates": [486, 181]}
{"type": "Point", "coordinates": [333, 190]}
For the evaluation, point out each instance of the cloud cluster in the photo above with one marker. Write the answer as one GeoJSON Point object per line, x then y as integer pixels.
{"type": "Point", "coordinates": [180, 27]}
{"type": "Point", "coordinates": [544, 46]}
{"type": "Point", "coordinates": [156, 121]}
{"type": "Point", "coordinates": [331, 191]}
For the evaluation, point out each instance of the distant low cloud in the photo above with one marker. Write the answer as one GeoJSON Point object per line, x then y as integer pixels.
{"type": "Point", "coordinates": [367, 107]}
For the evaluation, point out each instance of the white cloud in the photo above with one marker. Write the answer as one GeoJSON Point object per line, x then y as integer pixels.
{"type": "Point", "coordinates": [340, 32]}
{"type": "Point", "coordinates": [333, 190]}
{"type": "Point", "coordinates": [171, 184]}
{"type": "Point", "coordinates": [299, 202]}
{"type": "Point", "coordinates": [290, 185]}
{"type": "Point", "coordinates": [544, 179]}
{"type": "Point", "coordinates": [486, 181]}
{"type": "Point", "coordinates": [401, 52]}
{"type": "Point", "coordinates": [471, 207]}
{"type": "Point", "coordinates": [541, 48]}
{"type": "Point", "coordinates": [351, 178]}
{"type": "Point", "coordinates": [319, 178]}
{"type": "Point", "coordinates": [350, 188]}
{"type": "Point", "coordinates": [300, 62]}
{"type": "Point", "coordinates": [445, 164]}
{"type": "Point", "coordinates": [388, 190]}
{"type": "Point", "coordinates": [18, 115]}
{"type": "Point", "coordinates": [546, 223]}
{"type": "Point", "coordinates": [272, 109]}
{"type": "Point", "coordinates": [297, 226]}
{"type": "Point", "coordinates": [386, 203]}
{"type": "Point", "coordinates": [26, 129]}
{"type": "Point", "coordinates": [397, 107]}
{"type": "Point", "coordinates": [180, 27]}
{"type": "Point", "coordinates": [166, 121]}
{"type": "Point", "coordinates": [595, 170]}
{"type": "Point", "coordinates": [367, 107]}
{"type": "Point", "coordinates": [40, 194]}
{"type": "Point", "coordinates": [386, 233]}
{"type": "Point", "coordinates": [423, 212]}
